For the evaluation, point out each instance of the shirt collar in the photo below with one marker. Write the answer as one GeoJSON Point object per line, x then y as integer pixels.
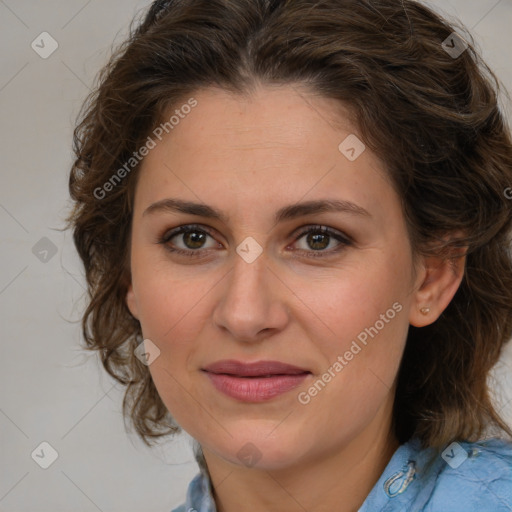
{"type": "Point", "coordinates": [398, 485]}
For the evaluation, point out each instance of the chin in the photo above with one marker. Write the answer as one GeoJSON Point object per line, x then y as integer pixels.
{"type": "Point", "coordinates": [253, 447]}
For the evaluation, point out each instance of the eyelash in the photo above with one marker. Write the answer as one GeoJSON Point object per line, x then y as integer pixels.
{"type": "Point", "coordinates": [344, 240]}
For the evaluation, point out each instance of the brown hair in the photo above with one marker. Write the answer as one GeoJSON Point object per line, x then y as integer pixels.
{"type": "Point", "coordinates": [432, 117]}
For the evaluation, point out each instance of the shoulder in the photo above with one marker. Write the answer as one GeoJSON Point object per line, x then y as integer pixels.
{"type": "Point", "coordinates": [199, 497]}
{"type": "Point", "coordinates": [475, 477]}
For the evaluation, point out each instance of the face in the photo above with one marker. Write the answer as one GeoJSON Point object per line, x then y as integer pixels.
{"type": "Point", "coordinates": [305, 289]}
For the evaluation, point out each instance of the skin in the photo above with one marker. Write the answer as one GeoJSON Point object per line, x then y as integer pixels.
{"type": "Point", "coordinates": [248, 157]}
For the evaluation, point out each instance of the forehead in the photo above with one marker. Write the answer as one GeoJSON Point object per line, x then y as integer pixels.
{"type": "Point", "coordinates": [271, 120]}
{"type": "Point", "coordinates": [276, 146]}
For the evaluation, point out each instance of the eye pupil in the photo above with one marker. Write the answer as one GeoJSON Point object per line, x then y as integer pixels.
{"type": "Point", "coordinates": [194, 237]}
{"type": "Point", "coordinates": [314, 239]}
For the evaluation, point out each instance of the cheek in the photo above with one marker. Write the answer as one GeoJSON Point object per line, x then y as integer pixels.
{"type": "Point", "coordinates": [357, 296]}
{"type": "Point", "coordinates": [359, 375]}
{"type": "Point", "coordinates": [360, 327]}
{"type": "Point", "coordinates": [170, 307]}
{"type": "Point", "coordinates": [166, 293]}
{"type": "Point", "coordinates": [172, 317]}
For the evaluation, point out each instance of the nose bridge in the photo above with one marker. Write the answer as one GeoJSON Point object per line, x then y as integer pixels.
{"type": "Point", "coordinates": [249, 303]}
{"type": "Point", "coordinates": [247, 282]}
{"type": "Point", "coordinates": [250, 266]}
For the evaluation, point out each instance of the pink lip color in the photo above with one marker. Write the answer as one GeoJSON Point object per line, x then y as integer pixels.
{"type": "Point", "coordinates": [255, 389]}
{"type": "Point", "coordinates": [254, 382]}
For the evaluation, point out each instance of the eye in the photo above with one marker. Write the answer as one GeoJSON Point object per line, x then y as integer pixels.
{"type": "Point", "coordinates": [318, 238]}
{"type": "Point", "coordinates": [192, 239]}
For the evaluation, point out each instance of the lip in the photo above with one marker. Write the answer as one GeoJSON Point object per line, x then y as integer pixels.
{"type": "Point", "coordinates": [256, 369]}
{"type": "Point", "coordinates": [254, 382]}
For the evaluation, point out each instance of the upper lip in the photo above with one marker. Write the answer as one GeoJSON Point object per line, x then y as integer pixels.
{"type": "Point", "coordinates": [259, 368]}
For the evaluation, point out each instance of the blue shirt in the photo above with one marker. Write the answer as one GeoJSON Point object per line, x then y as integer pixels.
{"type": "Point", "coordinates": [466, 477]}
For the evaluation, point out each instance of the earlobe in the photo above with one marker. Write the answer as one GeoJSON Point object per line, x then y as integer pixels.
{"type": "Point", "coordinates": [131, 302]}
{"type": "Point", "coordinates": [438, 284]}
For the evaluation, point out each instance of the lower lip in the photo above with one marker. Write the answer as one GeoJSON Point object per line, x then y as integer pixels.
{"type": "Point", "coordinates": [255, 389]}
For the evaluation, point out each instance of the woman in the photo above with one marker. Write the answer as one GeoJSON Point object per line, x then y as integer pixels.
{"type": "Point", "coordinates": [295, 229]}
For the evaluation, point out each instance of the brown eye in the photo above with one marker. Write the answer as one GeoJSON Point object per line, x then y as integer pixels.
{"type": "Point", "coordinates": [319, 238]}
{"type": "Point", "coordinates": [187, 240]}
{"type": "Point", "coordinates": [194, 239]}
{"type": "Point", "coordinates": [317, 241]}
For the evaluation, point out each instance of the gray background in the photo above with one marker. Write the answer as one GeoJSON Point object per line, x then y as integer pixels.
{"type": "Point", "coordinates": [50, 389]}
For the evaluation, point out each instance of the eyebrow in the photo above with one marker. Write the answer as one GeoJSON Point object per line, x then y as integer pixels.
{"type": "Point", "coordinates": [286, 213]}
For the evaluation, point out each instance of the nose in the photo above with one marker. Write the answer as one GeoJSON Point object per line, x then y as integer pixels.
{"type": "Point", "coordinates": [252, 304]}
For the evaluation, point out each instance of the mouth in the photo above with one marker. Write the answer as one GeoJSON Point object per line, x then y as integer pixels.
{"type": "Point", "coordinates": [254, 382]}
{"type": "Point", "coordinates": [259, 369]}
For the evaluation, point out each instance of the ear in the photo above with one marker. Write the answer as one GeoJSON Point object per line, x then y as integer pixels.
{"type": "Point", "coordinates": [131, 302]}
{"type": "Point", "coordinates": [438, 280]}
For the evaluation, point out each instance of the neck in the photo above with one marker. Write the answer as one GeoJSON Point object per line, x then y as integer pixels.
{"type": "Point", "coordinates": [340, 480]}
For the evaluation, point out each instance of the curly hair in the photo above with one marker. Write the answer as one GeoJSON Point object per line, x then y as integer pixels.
{"type": "Point", "coordinates": [430, 115]}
